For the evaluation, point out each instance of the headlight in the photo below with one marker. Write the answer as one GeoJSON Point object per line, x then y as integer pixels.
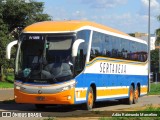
{"type": "Point", "coordinates": [17, 87]}
{"type": "Point", "coordinates": [68, 87]}
{"type": "Point", "coordinates": [65, 88]}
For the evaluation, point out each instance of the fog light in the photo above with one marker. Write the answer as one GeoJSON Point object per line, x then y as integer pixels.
{"type": "Point", "coordinates": [69, 97]}
{"type": "Point", "coordinates": [15, 96]}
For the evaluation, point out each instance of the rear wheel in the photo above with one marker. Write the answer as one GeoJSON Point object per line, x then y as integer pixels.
{"type": "Point", "coordinates": [90, 99]}
{"type": "Point", "coordinates": [136, 95]}
{"type": "Point", "coordinates": [131, 95]}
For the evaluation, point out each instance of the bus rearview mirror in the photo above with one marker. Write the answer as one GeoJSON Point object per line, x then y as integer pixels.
{"type": "Point", "coordinates": [75, 47]}
{"type": "Point", "coordinates": [9, 47]}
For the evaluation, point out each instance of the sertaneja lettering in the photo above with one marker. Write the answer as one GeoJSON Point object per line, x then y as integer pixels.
{"type": "Point", "coordinates": [112, 68]}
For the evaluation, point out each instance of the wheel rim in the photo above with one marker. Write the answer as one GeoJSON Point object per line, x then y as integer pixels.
{"type": "Point", "coordinates": [131, 95]}
{"type": "Point", "coordinates": [136, 94]}
{"type": "Point", "coordinates": [90, 98]}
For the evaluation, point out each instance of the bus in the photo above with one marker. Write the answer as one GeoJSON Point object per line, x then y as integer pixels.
{"type": "Point", "coordinates": [79, 62]}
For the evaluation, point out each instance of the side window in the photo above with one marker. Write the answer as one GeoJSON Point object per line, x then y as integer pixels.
{"type": "Point", "coordinates": [108, 45]}
{"type": "Point", "coordinates": [81, 58]}
{"type": "Point", "coordinates": [137, 51]}
{"type": "Point", "coordinates": [124, 48]}
{"type": "Point", "coordinates": [82, 50]}
{"type": "Point", "coordinates": [96, 47]}
{"type": "Point", "coordinates": [119, 47]}
{"type": "Point", "coordinates": [114, 47]}
{"type": "Point", "coordinates": [84, 34]}
{"type": "Point", "coordinates": [142, 53]}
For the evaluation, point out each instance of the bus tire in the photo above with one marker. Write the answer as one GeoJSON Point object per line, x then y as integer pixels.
{"type": "Point", "coordinates": [40, 106]}
{"type": "Point", "coordinates": [90, 99]}
{"type": "Point", "coordinates": [136, 95]}
{"type": "Point", "coordinates": [131, 95]}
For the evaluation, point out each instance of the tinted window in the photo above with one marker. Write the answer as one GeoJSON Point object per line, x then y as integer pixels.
{"type": "Point", "coordinates": [82, 50]}
{"type": "Point", "coordinates": [111, 46]}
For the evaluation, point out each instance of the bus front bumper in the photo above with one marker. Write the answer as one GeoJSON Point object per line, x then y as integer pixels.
{"type": "Point", "coordinates": [64, 97]}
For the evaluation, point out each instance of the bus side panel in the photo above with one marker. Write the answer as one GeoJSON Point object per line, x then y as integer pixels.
{"type": "Point", "coordinates": [108, 86]}
{"type": "Point", "coordinates": [112, 78]}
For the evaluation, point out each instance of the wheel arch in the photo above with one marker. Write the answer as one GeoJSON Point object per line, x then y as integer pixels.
{"type": "Point", "coordinates": [133, 85]}
{"type": "Point", "coordinates": [139, 88]}
{"type": "Point", "coordinates": [93, 85]}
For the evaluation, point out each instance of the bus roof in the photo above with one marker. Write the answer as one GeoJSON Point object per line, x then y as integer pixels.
{"type": "Point", "coordinates": [65, 26]}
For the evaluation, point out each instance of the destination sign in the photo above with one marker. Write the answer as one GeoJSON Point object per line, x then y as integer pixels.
{"type": "Point", "coordinates": [34, 37]}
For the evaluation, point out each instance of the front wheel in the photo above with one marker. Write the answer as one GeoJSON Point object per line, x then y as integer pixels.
{"type": "Point", "coordinates": [90, 99]}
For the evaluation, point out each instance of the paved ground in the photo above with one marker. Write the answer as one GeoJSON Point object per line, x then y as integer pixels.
{"type": "Point", "coordinates": [76, 110]}
{"type": "Point", "coordinates": [6, 94]}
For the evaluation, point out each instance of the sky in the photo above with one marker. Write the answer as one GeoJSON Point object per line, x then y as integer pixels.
{"type": "Point", "coordinates": [129, 16]}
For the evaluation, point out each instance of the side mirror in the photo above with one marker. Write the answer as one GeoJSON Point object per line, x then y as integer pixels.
{"type": "Point", "coordinates": [75, 47]}
{"type": "Point", "coordinates": [9, 47]}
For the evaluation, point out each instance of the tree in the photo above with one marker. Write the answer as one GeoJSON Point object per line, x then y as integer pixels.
{"type": "Point", "coordinates": [154, 60]}
{"type": "Point", "coordinates": [155, 53]}
{"type": "Point", "coordinates": [21, 13]}
{"type": "Point", "coordinates": [4, 39]}
{"type": "Point", "coordinates": [15, 14]}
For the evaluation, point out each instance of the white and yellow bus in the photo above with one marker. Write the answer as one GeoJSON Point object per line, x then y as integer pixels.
{"type": "Point", "coordinates": [78, 62]}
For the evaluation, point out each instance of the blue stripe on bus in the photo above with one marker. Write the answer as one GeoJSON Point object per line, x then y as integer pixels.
{"type": "Point", "coordinates": [110, 80]}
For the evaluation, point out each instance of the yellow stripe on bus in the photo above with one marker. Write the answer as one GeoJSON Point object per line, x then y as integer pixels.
{"type": "Point", "coordinates": [114, 60]}
{"type": "Point", "coordinates": [109, 92]}
{"type": "Point", "coordinates": [144, 89]}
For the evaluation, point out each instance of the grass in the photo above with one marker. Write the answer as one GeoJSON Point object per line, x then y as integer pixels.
{"type": "Point", "coordinates": [155, 89]}
{"type": "Point", "coordinates": [5, 84]}
{"type": "Point", "coordinates": [150, 109]}
{"type": "Point", "coordinates": [131, 118]}
{"type": "Point", "coordinates": [10, 77]}
{"type": "Point", "coordinates": [7, 80]}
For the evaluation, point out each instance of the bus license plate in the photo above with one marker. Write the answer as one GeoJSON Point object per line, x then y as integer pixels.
{"type": "Point", "coordinates": [40, 98]}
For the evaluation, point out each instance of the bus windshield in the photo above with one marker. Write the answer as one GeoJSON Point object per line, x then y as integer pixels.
{"type": "Point", "coordinates": [44, 58]}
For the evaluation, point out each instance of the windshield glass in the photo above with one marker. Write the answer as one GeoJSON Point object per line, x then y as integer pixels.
{"type": "Point", "coordinates": [44, 58]}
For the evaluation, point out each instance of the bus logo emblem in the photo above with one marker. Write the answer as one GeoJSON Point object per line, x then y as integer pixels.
{"type": "Point", "coordinates": [39, 92]}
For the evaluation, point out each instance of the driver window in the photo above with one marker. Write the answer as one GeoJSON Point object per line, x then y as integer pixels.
{"type": "Point", "coordinates": [80, 58]}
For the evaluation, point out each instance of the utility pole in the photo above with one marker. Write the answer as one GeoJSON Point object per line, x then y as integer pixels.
{"type": "Point", "coordinates": [159, 58]}
{"type": "Point", "coordinates": [149, 56]}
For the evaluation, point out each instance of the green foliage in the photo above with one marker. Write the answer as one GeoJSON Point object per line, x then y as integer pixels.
{"type": "Point", "coordinates": [130, 118]}
{"type": "Point", "coordinates": [21, 14]}
{"type": "Point", "coordinates": [148, 110]}
{"type": "Point", "coordinates": [154, 60]}
{"type": "Point", "coordinates": [152, 108]}
{"type": "Point", "coordinates": [10, 77]}
{"type": "Point", "coordinates": [158, 33]}
{"type": "Point", "coordinates": [155, 89]}
{"type": "Point", "coordinates": [4, 84]}
{"type": "Point", "coordinates": [16, 14]}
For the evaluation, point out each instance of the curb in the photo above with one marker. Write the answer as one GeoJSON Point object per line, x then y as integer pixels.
{"type": "Point", "coordinates": [152, 95]}
{"type": "Point", "coordinates": [7, 101]}
{"type": "Point", "coordinates": [6, 88]}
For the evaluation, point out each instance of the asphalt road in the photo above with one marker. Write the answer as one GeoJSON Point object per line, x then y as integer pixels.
{"type": "Point", "coordinates": [6, 94]}
{"type": "Point", "coordinates": [74, 110]}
